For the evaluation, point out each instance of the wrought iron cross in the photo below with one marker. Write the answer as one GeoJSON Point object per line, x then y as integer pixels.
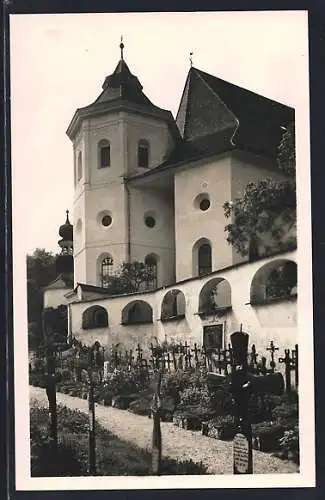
{"type": "Point", "coordinates": [272, 349]}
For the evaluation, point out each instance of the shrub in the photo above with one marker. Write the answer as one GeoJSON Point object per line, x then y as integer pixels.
{"type": "Point", "coordinates": [222, 402]}
{"type": "Point", "coordinates": [267, 435]}
{"type": "Point", "coordinates": [195, 395]}
{"type": "Point", "coordinates": [176, 382]}
{"type": "Point", "coordinates": [220, 427]}
{"type": "Point", "coordinates": [37, 379]}
{"type": "Point", "coordinates": [113, 456]}
{"type": "Point", "coordinates": [289, 445]}
{"type": "Point", "coordinates": [286, 413]}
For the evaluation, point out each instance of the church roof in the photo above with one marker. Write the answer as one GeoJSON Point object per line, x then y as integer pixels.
{"type": "Point", "coordinates": [210, 105]}
{"type": "Point", "coordinates": [121, 90]}
{"type": "Point", "coordinates": [62, 281]}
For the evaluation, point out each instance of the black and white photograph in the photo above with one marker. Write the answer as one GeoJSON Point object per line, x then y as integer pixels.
{"type": "Point", "coordinates": [161, 230]}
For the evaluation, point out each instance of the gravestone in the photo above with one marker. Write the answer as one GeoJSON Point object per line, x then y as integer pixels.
{"type": "Point", "coordinates": [106, 367]}
{"type": "Point", "coordinates": [242, 458]}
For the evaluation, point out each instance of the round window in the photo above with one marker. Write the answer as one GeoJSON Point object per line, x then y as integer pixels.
{"type": "Point", "coordinates": [150, 221]}
{"type": "Point", "coordinates": [204, 204]}
{"type": "Point", "coordinates": [107, 220]}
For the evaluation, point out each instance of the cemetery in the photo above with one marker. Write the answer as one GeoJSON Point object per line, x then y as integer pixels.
{"type": "Point", "coordinates": [192, 387]}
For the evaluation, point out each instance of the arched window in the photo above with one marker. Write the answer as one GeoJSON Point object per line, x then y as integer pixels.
{"type": "Point", "coordinates": [104, 154]}
{"type": "Point", "coordinates": [79, 165]}
{"type": "Point", "coordinates": [215, 297]}
{"type": "Point", "coordinates": [202, 257]}
{"type": "Point", "coordinates": [143, 153]}
{"type": "Point", "coordinates": [205, 260]}
{"type": "Point", "coordinates": [94, 317]}
{"type": "Point", "coordinates": [151, 271]}
{"type": "Point", "coordinates": [173, 305]}
{"type": "Point", "coordinates": [106, 270]}
{"type": "Point", "coordinates": [137, 312]}
{"type": "Point", "coordinates": [275, 280]}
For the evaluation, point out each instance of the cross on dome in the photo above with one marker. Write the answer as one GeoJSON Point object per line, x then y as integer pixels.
{"type": "Point", "coordinates": [122, 47]}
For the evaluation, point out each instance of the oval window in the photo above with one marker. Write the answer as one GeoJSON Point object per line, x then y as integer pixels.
{"type": "Point", "coordinates": [204, 204]}
{"type": "Point", "coordinates": [150, 221]}
{"type": "Point", "coordinates": [107, 220]}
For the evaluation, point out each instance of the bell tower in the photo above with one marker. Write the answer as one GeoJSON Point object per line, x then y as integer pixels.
{"type": "Point", "coordinates": [120, 134]}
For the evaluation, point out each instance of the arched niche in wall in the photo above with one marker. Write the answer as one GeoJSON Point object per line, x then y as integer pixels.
{"type": "Point", "coordinates": [173, 305]}
{"type": "Point", "coordinates": [202, 257]}
{"type": "Point", "coordinates": [273, 281]}
{"type": "Point", "coordinates": [137, 312]}
{"type": "Point", "coordinates": [94, 317]}
{"type": "Point", "coordinates": [215, 296]}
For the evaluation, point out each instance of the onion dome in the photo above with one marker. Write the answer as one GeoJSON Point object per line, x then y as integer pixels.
{"type": "Point", "coordinates": [66, 230]}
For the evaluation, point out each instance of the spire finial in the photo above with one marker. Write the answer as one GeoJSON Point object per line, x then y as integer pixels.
{"type": "Point", "coordinates": [191, 59]}
{"type": "Point", "coordinates": [121, 46]}
{"type": "Point", "coordinates": [67, 221]}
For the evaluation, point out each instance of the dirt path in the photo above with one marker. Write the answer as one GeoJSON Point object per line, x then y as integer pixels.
{"type": "Point", "coordinates": [177, 443]}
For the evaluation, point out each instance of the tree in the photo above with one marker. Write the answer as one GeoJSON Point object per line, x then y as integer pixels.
{"type": "Point", "coordinates": [40, 272]}
{"type": "Point", "coordinates": [131, 277]}
{"type": "Point", "coordinates": [268, 206]}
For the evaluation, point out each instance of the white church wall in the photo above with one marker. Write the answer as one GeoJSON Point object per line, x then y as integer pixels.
{"type": "Point", "coordinates": [275, 321]}
{"type": "Point", "coordinates": [127, 335]}
{"type": "Point", "coordinates": [55, 297]}
{"type": "Point", "coordinates": [191, 223]}
{"type": "Point", "coordinates": [156, 132]}
{"type": "Point", "coordinates": [157, 240]}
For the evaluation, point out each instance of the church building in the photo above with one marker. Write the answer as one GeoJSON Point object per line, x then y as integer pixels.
{"type": "Point", "coordinates": [150, 188]}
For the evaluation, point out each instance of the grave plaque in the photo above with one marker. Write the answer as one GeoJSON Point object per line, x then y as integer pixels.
{"type": "Point", "coordinates": [106, 368]}
{"type": "Point", "coordinates": [241, 454]}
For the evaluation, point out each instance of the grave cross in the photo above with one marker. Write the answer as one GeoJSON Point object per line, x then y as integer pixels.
{"type": "Point", "coordinates": [295, 357]}
{"type": "Point", "coordinates": [188, 358]}
{"type": "Point", "coordinates": [131, 358]}
{"type": "Point", "coordinates": [139, 353]}
{"type": "Point", "coordinates": [253, 357]}
{"type": "Point", "coordinates": [262, 366]}
{"type": "Point", "coordinates": [174, 358]}
{"type": "Point", "coordinates": [272, 349]}
{"type": "Point", "coordinates": [289, 363]}
{"type": "Point", "coordinates": [220, 363]}
{"type": "Point", "coordinates": [168, 361]}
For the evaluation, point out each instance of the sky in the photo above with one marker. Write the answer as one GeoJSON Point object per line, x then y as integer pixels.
{"type": "Point", "coordinates": [59, 62]}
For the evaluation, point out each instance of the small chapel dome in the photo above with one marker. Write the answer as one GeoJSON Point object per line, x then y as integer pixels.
{"type": "Point", "coordinates": [66, 230]}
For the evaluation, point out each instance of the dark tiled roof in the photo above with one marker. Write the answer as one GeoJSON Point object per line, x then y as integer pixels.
{"type": "Point", "coordinates": [121, 89]}
{"type": "Point", "coordinates": [92, 288]}
{"type": "Point", "coordinates": [123, 85]}
{"type": "Point", "coordinates": [209, 105]}
{"type": "Point", "coordinates": [201, 147]}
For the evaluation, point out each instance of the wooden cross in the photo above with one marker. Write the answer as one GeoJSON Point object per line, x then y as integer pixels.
{"type": "Point", "coordinates": [272, 349]}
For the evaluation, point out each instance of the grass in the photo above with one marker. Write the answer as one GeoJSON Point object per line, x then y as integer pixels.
{"type": "Point", "coordinates": [114, 457]}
